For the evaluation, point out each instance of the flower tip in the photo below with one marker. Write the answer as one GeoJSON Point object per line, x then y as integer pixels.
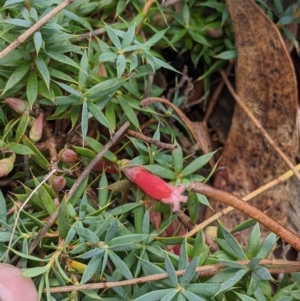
{"type": "Point", "coordinates": [18, 105]}
{"type": "Point", "coordinates": [36, 130]}
{"type": "Point", "coordinates": [7, 165]}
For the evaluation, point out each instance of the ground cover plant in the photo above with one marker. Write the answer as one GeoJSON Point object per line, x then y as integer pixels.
{"type": "Point", "coordinates": [100, 188]}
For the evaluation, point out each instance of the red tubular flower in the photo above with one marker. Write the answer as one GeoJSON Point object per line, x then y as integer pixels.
{"type": "Point", "coordinates": [156, 187]}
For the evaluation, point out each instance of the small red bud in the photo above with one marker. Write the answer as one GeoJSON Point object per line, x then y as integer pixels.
{"type": "Point", "coordinates": [36, 130]}
{"type": "Point", "coordinates": [7, 165]}
{"type": "Point", "coordinates": [103, 166]}
{"type": "Point", "coordinates": [18, 105]}
{"type": "Point", "coordinates": [215, 33]}
{"type": "Point", "coordinates": [58, 183]}
{"type": "Point", "coordinates": [68, 156]}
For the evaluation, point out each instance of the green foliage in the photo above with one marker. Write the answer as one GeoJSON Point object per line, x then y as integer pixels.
{"type": "Point", "coordinates": [86, 70]}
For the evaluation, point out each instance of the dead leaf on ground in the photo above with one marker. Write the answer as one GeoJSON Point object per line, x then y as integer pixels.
{"type": "Point", "coordinates": [266, 82]}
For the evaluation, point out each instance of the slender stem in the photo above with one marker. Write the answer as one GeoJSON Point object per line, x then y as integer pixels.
{"type": "Point", "coordinates": [237, 203]}
{"type": "Point", "coordinates": [275, 266]}
{"type": "Point", "coordinates": [248, 197]}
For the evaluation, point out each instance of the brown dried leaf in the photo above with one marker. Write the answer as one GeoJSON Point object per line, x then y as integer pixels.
{"type": "Point", "coordinates": [266, 82]}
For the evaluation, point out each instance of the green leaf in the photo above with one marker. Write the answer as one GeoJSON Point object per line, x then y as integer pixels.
{"type": "Point", "coordinates": [69, 89]}
{"type": "Point", "coordinates": [161, 63]}
{"type": "Point", "coordinates": [108, 56]}
{"type": "Point", "coordinates": [113, 37]}
{"type": "Point", "coordinates": [213, 68]}
{"type": "Point", "coordinates": [121, 65]}
{"type": "Point", "coordinates": [155, 295]}
{"type": "Point", "coordinates": [234, 245]}
{"type": "Point", "coordinates": [32, 88]}
{"type": "Point", "coordinates": [38, 41]}
{"type": "Point", "coordinates": [91, 268]}
{"type": "Point", "coordinates": [253, 241]}
{"type": "Point", "coordinates": [63, 219]}
{"type": "Point", "coordinates": [62, 58]}
{"type": "Point", "coordinates": [267, 246]}
{"type": "Point", "coordinates": [128, 37]}
{"type": "Point", "coordinates": [83, 72]}
{"type": "Point", "coordinates": [124, 208]}
{"type": "Point", "coordinates": [232, 280]}
{"type": "Point", "coordinates": [91, 253]}
{"type": "Point", "coordinates": [244, 297]}
{"type": "Point", "coordinates": [130, 238]}
{"type": "Point", "coordinates": [20, 149]}
{"type": "Point", "coordinates": [196, 164]}
{"type": "Point", "coordinates": [263, 273]}
{"type": "Point", "coordinates": [102, 191]}
{"type": "Point", "coordinates": [120, 265]}
{"type": "Point", "coordinates": [193, 206]}
{"type": "Point", "coordinates": [226, 55]}
{"type": "Point", "coordinates": [18, 22]}
{"type": "Point", "coordinates": [79, 191]}
{"type": "Point", "coordinates": [104, 88]}
{"type": "Point", "coordinates": [17, 75]}
{"type": "Point", "coordinates": [191, 296]}
{"type": "Point", "coordinates": [129, 112]}
{"type": "Point", "coordinates": [22, 126]}
{"type": "Point", "coordinates": [177, 158]}
{"type": "Point", "coordinates": [87, 234]}
{"type": "Point", "coordinates": [189, 273]}
{"type": "Point", "coordinates": [171, 271]}
{"type": "Point", "coordinates": [45, 198]}
{"type": "Point", "coordinates": [170, 295]}
{"type": "Point", "coordinates": [97, 113]}
{"type": "Point", "coordinates": [33, 272]}
{"type": "Point", "coordinates": [43, 69]}
{"type": "Point", "coordinates": [183, 256]}
{"type": "Point", "coordinates": [84, 119]}
{"type": "Point", "coordinates": [154, 39]}
{"type": "Point", "coordinates": [3, 216]}
{"type": "Point", "coordinates": [110, 234]}
{"type": "Point", "coordinates": [38, 157]}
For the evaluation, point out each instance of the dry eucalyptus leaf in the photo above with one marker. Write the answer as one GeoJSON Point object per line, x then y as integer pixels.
{"type": "Point", "coordinates": [265, 81]}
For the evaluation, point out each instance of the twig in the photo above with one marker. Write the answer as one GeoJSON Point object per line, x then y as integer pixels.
{"type": "Point", "coordinates": [258, 125]}
{"type": "Point", "coordinates": [79, 180]}
{"type": "Point", "coordinates": [146, 8]}
{"type": "Point", "coordinates": [216, 95]}
{"type": "Point", "coordinates": [253, 212]}
{"type": "Point", "coordinates": [23, 37]}
{"type": "Point", "coordinates": [275, 266]}
{"type": "Point", "coordinates": [151, 140]}
{"type": "Point", "coordinates": [22, 207]}
{"type": "Point", "coordinates": [248, 197]}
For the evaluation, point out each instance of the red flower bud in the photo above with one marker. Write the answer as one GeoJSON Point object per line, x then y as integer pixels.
{"type": "Point", "coordinates": [36, 130]}
{"type": "Point", "coordinates": [215, 33]}
{"type": "Point", "coordinates": [59, 183]}
{"type": "Point", "coordinates": [7, 165]}
{"type": "Point", "coordinates": [156, 187]}
{"type": "Point", "coordinates": [18, 105]}
{"type": "Point", "coordinates": [103, 166]}
{"type": "Point", "coordinates": [68, 156]}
